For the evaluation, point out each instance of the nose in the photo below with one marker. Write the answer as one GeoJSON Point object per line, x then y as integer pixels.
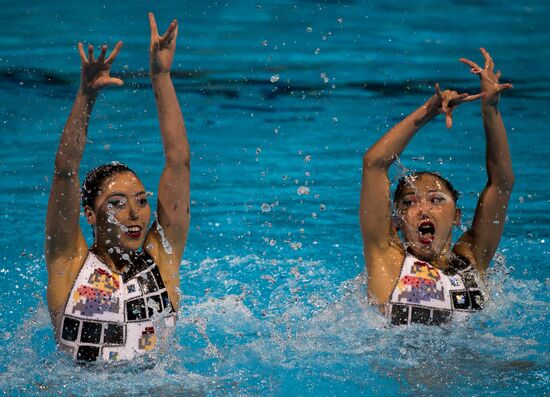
{"type": "Point", "coordinates": [423, 207]}
{"type": "Point", "coordinates": [134, 212]}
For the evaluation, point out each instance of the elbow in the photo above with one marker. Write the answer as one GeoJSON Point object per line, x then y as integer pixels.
{"type": "Point", "coordinates": [178, 160]}
{"type": "Point", "coordinates": [505, 182]}
{"type": "Point", "coordinates": [371, 161]}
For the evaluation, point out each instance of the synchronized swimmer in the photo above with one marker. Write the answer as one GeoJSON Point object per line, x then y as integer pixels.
{"type": "Point", "coordinates": [109, 301]}
{"type": "Point", "coordinates": [421, 277]}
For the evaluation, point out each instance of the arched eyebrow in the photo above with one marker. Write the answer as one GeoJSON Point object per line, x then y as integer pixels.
{"type": "Point", "coordinates": [141, 192]}
{"type": "Point", "coordinates": [113, 194]}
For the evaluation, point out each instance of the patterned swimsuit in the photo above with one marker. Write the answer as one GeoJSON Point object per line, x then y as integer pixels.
{"type": "Point", "coordinates": [114, 316]}
{"type": "Point", "coordinates": [427, 295]}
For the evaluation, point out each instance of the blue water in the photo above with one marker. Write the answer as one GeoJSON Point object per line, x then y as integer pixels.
{"type": "Point", "coordinates": [273, 299]}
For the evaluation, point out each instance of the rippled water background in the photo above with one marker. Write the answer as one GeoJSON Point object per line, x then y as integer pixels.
{"type": "Point", "coordinates": [279, 98]}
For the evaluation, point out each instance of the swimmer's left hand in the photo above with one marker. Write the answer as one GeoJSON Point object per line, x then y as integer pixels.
{"type": "Point", "coordinates": [448, 101]}
{"type": "Point", "coordinates": [163, 47]}
{"type": "Point", "coordinates": [489, 80]}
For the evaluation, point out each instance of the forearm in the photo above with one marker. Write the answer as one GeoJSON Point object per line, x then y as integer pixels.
{"type": "Point", "coordinates": [499, 163]}
{"type": "Point", "coordinates": [384, 151]}
{"type": "Point", "coordinates": [73, 139]}
{"type": "Point", "coordinates": [172, 127]}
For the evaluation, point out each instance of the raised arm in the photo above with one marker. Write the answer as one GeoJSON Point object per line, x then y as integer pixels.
{"type": "Point", "coordinates": [166, 240]}
{"type": "Point", "coordinates": [483, 238]}
{"type": "Point", "coordinates": [65, 247]}
{"type": "Point", "coordinates": [375, 212]}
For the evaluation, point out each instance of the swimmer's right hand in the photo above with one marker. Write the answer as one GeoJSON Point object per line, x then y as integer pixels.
{"type": "Point", "coordinates": [447, 101]}
{"type": "Point", "coordinates": [95, 72]}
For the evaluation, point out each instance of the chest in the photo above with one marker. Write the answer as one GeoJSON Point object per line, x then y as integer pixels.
{"type": "Point", "coordinates": [115, 316]}
{"type": "Point", "coordinates": [426, 294]}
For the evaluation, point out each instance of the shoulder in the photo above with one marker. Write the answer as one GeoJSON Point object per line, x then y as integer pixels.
{"type": "Point", "coordinates": [383, 269]}
{"type": "Point", "coordinates": [464, 254]}
{"type": "Point", "coordinates": [62, 274]}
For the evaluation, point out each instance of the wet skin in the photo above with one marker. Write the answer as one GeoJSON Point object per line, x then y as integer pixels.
{"type": "Point", "coordinates": [120, 217]}
{"type": "Point", "coordinates": [426, 215]}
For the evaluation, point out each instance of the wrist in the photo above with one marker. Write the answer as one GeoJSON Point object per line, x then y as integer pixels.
{"type": "Point", "coordinates": [489, 109]}
{"type": "Point", "coordinates": [87, 94]}
{"type": "Point", "coordinates": [432, 106]}
{"type": "Point", "coordinates": [489, 105]}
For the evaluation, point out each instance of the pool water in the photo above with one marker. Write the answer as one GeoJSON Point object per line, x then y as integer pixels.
{"type": "Point", "coordinates": [281, 99]}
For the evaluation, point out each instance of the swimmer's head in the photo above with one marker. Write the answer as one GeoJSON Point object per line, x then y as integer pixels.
{"type": "Point", "coordinates": [116, 206]}
{"type": "Point", "coordinates": [425, 213]}
{"type": "Point", "coordinates": [91, 187]}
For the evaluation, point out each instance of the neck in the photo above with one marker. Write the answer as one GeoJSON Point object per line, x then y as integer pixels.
{"type": "Point", "coordinates": [439, 260]}
{"type": "Point", "coordinates": [117, 260]}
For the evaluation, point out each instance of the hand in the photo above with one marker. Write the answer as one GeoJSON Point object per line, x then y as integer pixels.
{"type": "Point", "coordinates": [488, 79]}
{"type": "Point", "coordinates": [447, 101]}
{"type": "Point", "coordinates": [163, 47]}
{"type": "Point", "coordinates": [95, 73]}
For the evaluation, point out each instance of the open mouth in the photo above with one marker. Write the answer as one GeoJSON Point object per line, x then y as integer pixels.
{"type": "Point", "coordinates": [134, 232]}
{"type": "Point", "coordinates": [426, 232]}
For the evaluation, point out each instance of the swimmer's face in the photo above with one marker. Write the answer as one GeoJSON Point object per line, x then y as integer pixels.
{"type": "Point", "coordinates": [427, 212]}
{"type": "Point", "coordinates": [121, 213]}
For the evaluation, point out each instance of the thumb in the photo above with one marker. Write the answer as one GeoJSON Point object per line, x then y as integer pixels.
{"type": "Point", "coordinates": [116, 81]}
{"type": "Point", "coordinates": [449, 119]}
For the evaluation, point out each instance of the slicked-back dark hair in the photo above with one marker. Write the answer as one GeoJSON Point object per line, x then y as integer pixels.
{"type": "Point", "coordinates": [404, 181]}
{"type": "Point", "coordinates": [94, 179]}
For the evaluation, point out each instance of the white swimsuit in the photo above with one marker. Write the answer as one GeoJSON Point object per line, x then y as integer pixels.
{"type": "Point", "coordinates": [114, 316]}
{"type": "Point", "coordinates": [427, 295]}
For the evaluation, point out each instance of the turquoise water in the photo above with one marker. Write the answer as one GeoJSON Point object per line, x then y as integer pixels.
{"type": "Point", "coordinates": [273, 297]}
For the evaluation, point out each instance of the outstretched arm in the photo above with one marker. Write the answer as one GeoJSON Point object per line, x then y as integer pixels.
{"type": "Point", "coordinates": [167, 242]}
{"type": "Point", "coordinates": [483, 238]}
{"type": "Point", "coordinates": [375, 212]}
{"type": "Point", "coordinates": [65, 246]}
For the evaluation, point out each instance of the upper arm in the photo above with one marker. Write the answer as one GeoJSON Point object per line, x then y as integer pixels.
{"type": "Point", "coordinates": [65, 246]}
{"type": "Point", "coordinates": [484, 236]}
{"type": "Point", "coordinates": [165, 240]}
{"type": "Point", "coordinates": [374, 208]}
{"type": "Point", "coordinates": [173, 205]}
{"type": "Point", "coordinates": [382, 250]}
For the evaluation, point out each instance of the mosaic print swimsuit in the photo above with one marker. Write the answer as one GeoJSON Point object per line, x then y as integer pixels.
{"type": "Point", "coordinates": [427, 295]}
{"type": "Point", "coordinates": [114, 316]}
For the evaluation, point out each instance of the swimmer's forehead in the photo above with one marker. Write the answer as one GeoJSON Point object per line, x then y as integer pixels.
{"type": "Point", "coordinates": [122, 184]}
{"type": "Point", "coordinates": [424, 184]}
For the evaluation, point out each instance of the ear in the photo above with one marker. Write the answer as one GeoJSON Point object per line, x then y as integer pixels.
{"type": "Point", "coordinates": [458, 217]}
{"type": "Point", "coordinates": [90, 215]}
